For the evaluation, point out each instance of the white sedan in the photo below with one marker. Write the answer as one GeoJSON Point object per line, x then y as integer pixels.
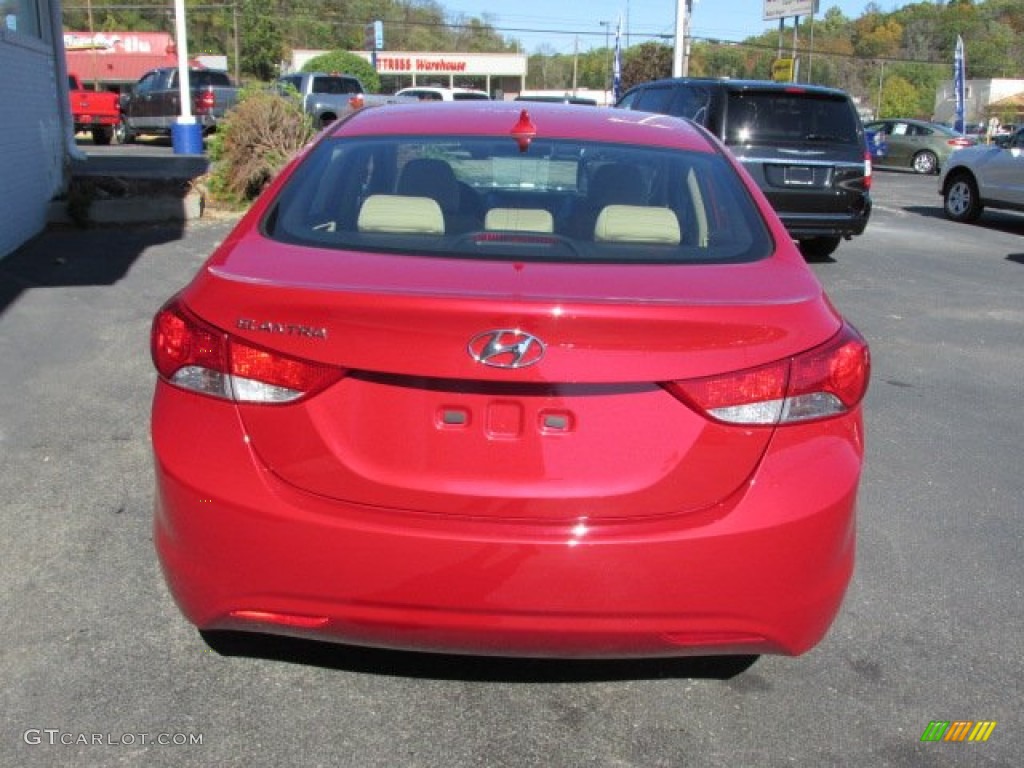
{"type": "Point", "coordinates": [982, 176]}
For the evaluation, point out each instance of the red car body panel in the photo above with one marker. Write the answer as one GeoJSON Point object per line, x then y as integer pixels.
{"type": "Point", "coordinates": [576, 507]}
{"type": "Point", "coordinates": [764, 572]}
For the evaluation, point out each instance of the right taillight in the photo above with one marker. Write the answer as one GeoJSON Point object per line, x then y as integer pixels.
{"type": "Point", "coordinates": [867, 170]}
{"type": "Point", "coordinates": [822, 383]}
{"type": "Point", "coordinates": [193, 355]}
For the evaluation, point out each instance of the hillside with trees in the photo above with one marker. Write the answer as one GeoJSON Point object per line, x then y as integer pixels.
{"type": "Point", "coordinates": [892, 60]}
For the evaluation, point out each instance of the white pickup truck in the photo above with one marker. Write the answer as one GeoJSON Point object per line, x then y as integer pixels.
{"type": "Point", "coordinates": [328, 96]}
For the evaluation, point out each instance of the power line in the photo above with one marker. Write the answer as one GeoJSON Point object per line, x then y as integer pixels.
{"type": "Point", "coordinates": [502, 31]}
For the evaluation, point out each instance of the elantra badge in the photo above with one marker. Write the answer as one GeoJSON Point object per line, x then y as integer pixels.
{"type": "Point", "coordinates": [506, 348]}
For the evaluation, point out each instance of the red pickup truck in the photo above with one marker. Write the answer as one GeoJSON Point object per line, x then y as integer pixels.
{"type": "Point", "coordinates": [98, 112]}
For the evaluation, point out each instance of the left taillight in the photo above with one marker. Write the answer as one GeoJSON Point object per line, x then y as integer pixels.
{"type": "Point", "coordinates": [195, 356]}
{"type": "Point", "coordinates": [822, 383]}
{"type": "Point", "coordinates": [205, 101]}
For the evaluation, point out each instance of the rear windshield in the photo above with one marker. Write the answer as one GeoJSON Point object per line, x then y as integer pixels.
{"type": "Point", "coordinates": [205, 78]}
{"type": "Point", "coordinates": [774, 117]}
{"type": "Point", "coordinates": [335, 84]}
{"type": "Point", "coordinates": [483, 198]}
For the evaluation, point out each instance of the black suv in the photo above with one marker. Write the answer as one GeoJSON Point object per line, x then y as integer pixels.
{"type": "Point", "coordinates": [803, 144]}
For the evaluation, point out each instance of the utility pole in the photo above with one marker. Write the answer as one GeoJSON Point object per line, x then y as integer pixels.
{"type": "Point", "coordinates": [627, 23]}
{"type": "Point", "coordinates": [796, 61]}
{"type": "Point", "coordinates": [575, 61]}
{"type": "Point", "coordinates": [92, 48]}
{"type": "Point", "coordinates": [681, 53]}
{"type": "Point", "coordinates": [607, 58]}
{"type": "Point", "coordinates": [881, 80]}
{"type": "Point", "coordinates": [234, 21]}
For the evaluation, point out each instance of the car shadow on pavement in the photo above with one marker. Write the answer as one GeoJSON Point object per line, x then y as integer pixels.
{"type": "Point", "coordinates": [73, 257]}
{"type": "Point", "coordinates": [932, 212]}
{"type": "Point", "coordinates": [1001, 221]}
{"type": "Point", "coordinates": [373, 661]}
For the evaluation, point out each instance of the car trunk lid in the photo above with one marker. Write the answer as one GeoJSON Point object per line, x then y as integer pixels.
{"type": "Point", "coordinates": [585, 429]}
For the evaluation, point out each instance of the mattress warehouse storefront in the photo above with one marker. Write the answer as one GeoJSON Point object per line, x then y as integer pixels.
{"type": "Point", "coordinates": [496, 73]}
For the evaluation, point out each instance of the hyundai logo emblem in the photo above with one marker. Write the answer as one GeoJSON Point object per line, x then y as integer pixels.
{"type": "Point", "coordinates": [506, 348]}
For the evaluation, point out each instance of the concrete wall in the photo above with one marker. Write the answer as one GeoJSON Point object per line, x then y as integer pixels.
{"type": "Point", "coordinates": [32, 141]}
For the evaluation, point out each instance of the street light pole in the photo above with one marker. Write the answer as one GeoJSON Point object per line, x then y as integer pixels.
{"type": "Point", "coordinates": [681, 54]}
{"type": "Point", "coordinates": [881, 80]}
{"type": "Point", "coordinates": [607, 59]}
{"type": "Point", "coordinates": [575, 62]}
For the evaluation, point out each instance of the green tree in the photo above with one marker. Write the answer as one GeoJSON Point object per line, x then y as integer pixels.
{"type": "Point", "coordinates": [833, 22]}
{"type": "Point", "coordinates": [899, 98]}
{"type": "Point", "coordinates": [548, 70]}
{"type": "Point", "coordinates": [262, 41]}
{"type": "Point", "coordinates": [593, 69]}
{"type": "Point", "coordinates": [877, 36]}
{"type": "Point", "coordinates": [349, 63]}
{"type": "Point", "coordinates": [644, 62]}
{"type": "Point", "coordinates": [715, 59]}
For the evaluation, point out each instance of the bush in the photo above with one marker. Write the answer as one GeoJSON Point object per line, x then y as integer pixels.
{"type": "Point", "coordinates": [346, 63]}
{"type": "Point", "coordinates": [254, 142]}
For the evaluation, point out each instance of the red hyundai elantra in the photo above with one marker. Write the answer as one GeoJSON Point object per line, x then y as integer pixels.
{"type": "Point", "coordinates": [481, 379]}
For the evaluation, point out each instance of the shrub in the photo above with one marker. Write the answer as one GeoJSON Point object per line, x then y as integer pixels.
{"type": "Point", "coordinates": [254, 142]}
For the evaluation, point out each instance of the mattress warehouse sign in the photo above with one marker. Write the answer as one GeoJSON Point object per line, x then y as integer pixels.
{"type": "Point", "coordinates": [418, 63]}
{"type": "Point", "coordinates": [473, 64]}
{"type": "Point", "coordinates": [396, 65]}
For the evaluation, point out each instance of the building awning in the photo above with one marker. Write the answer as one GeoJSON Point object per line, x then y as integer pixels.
{"type": "Point", "coordinates": [1014, 103]}
{"type": "Point", "coordinates": [117, 58]}
{"type": "Point", "coordinates": [115, 68]}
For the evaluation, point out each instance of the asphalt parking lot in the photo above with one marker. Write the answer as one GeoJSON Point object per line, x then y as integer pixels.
{"type": "Point", "coordinates": [100, 669]}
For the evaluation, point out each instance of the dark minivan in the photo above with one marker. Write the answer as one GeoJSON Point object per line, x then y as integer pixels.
{"type": "Point", "coordinates": [803, 144]}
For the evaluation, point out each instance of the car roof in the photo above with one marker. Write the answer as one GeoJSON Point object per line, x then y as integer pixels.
{"type": "Point", "coordinates": [914, 121]}
{"type": "Point", "coordinates": [558, 99]}
{"type": "Point", "coordinates": [750, 85]}
{"type": "Point", "coordinates": [917, 120]}
{"type": "Point", "coordinates": [440, 89]}
{"type": "Point", "coordinates": [498, 118]}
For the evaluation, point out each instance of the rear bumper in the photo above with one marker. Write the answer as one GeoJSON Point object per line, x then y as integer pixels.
{"type": "Point", "coordinates": [85, 122]}
{"type": "Point", "coordinates": [764, 573]}
{"type": "Point", "coordinates": [802, 225]}
{"type": "Point", "coordinates": [164, 124]}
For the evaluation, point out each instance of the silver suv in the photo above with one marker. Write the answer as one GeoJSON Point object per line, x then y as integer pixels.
{"type": "Point", "coordinates": [984, 176]}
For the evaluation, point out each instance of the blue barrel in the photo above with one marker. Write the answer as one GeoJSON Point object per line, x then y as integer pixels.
{"type": "Point", "coordinates": [187, 138]}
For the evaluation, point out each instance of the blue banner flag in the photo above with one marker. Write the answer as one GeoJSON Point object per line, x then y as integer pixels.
{"type": "Point", "coordinates": [958, 84]}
